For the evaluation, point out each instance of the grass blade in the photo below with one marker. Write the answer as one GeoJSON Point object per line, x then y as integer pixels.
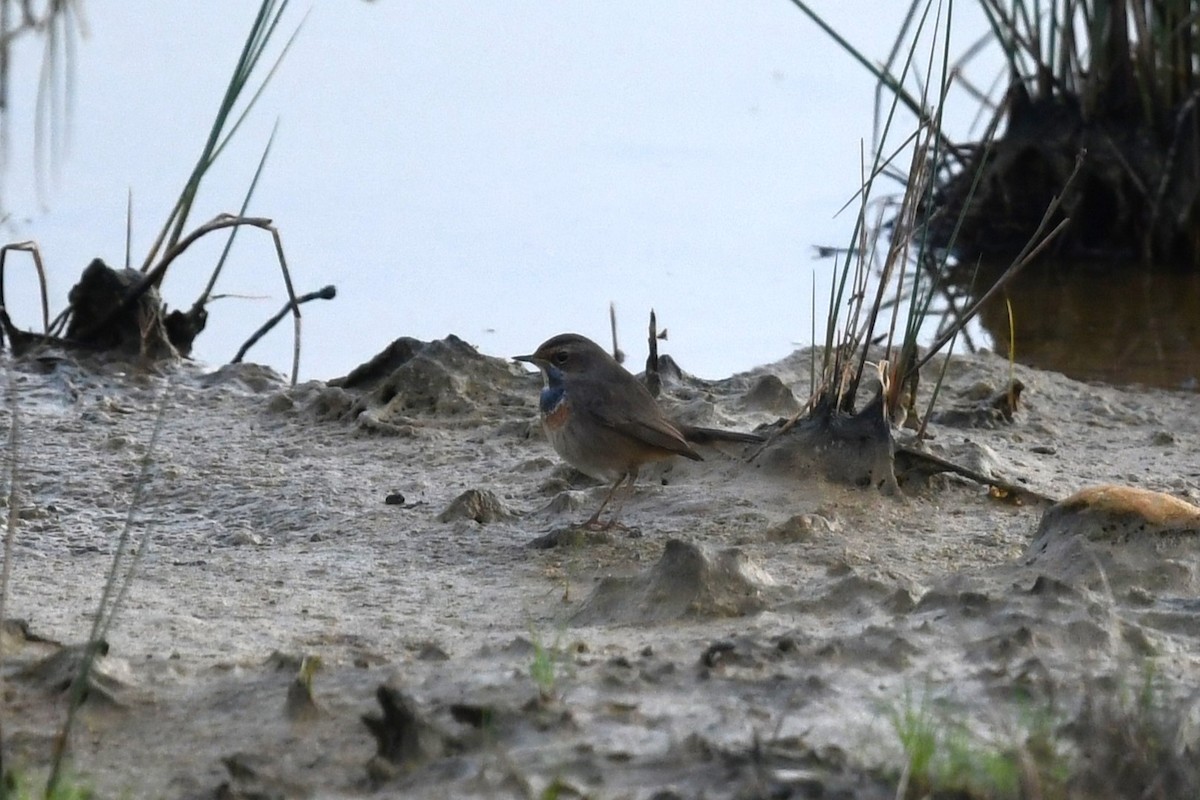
{"type": "Point", "coordinates": [108, 607]}
{"type": "Point", "coordinates": [10, 531]}
{"type": "Point", "coordinates": [262, 162]}
{"type": "Point", "coordinates": [265, 23]}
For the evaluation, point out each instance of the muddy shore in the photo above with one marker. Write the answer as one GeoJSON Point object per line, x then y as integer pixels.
{"type": "Point", "coordinates": [751, 634]}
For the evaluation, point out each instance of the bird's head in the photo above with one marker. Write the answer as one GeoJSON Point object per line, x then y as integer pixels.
{"type": "Point", "coordinates": [568, 354]}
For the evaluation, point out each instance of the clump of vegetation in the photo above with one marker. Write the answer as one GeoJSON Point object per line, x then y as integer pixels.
{"type": "Point", "coordinates": [944, 758]}
{"type": "Point", "coordinates": [1114, 81]}
{"type": "Point", "coordinates": [115, 314]}
{"type": "Point", "coordinates": [891, 276]}
{"type": "Point", "coordinates": [1120, 744]}
{"type": "Point", "coordinates": [114, 309]}
{"type": "Point", "coordinates": [18, 785]}
{"type": "Point", "coordinates": [1112, 84]}
{"type": "Point", "coordinates": [1133, 744]}
{"type": "Point", "coordinates": [543, 666]}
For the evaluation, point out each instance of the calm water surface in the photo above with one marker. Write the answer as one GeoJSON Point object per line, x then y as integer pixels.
{"type": "Point", "coordinates": [504, 171]}
{"type": "Point", "coordinates": [1122, 325]}
{"type": "Point", "coordinates": [497, 170]}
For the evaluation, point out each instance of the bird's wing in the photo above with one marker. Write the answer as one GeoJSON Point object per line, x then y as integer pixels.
{"type": "Point", "coordinates": [635, 415]}
{"type": "Point", "coordinates": [659, 434]}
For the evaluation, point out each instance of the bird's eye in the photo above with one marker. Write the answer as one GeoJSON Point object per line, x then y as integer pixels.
{"type": "Point", "coordinates": [559, 358]}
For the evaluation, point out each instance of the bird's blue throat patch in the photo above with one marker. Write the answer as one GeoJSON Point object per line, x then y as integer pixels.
{"type": "Point", "coordinates": [553, 400]}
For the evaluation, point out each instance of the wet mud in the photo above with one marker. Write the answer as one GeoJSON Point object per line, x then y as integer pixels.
{"type": "Point", "coordinates": [340, 596]}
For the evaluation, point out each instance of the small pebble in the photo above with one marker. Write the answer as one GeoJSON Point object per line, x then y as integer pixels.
{"type": "Point", "coordinates": [240, 538]}
{"type": "Point", "coordinates": [115, 442]}
{"type": "Point", "coordinates": [1162, 438]}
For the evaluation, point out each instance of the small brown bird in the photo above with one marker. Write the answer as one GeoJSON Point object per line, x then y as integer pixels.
{"type": "Point", "coordinates": [600, 418]}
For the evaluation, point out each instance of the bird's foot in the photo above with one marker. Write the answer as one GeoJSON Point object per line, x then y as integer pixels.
{"type": "Point", "coordinates": [571, 536]}
{"type": "Point", "coordinates": [611, 526]}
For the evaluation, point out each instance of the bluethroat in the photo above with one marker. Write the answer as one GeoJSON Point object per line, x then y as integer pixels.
{"type": "Point", "coordinates": [600, 418]}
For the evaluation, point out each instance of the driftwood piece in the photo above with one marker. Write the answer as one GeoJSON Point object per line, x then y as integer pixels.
{"type": "Point", "coordinates": [911, 462]}
{"type": "Point", "coordinates": [652, 379]}
{"type": "Point", "coordinates": [35, 254]}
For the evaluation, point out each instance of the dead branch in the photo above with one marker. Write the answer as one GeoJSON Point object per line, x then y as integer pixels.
{"type": "Point", "coordinates": [32, 249]}
{"type": "Point", "coordinates": [154, 276]}
{"type": "Point", "coordinates": [327, 293]}
{"type": "Point", "coordinates": [653, 379]}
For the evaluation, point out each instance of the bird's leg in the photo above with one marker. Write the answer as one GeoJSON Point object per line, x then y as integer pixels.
{"type": "Point", "coordinates": [621, 501]}
{"type": "Point", "coordinates": [594, 523]}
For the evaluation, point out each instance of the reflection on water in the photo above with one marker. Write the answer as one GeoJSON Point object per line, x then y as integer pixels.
{"type": "Point", "coordinates": [1117, 325]}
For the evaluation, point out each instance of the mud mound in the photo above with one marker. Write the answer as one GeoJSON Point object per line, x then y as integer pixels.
{"type": "Point", "coordinates": [689, 582]}
{"type": "Point", "coordinates": [770, 394]}
{"type": "Point", "coordinates": [412, 380]}
{"type": "Point", "coordinates": [745, 401]}
{"type": "Point", "coordinates": [1122, 538]}
{"type": "Point", "coordinates": [253, 378]}
{"type": "Point", "coordinates": [849, 448]}
{"type": "Point", "coordinates": [478, 505]}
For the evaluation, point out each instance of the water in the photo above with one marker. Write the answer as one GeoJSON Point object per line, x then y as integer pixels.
{"type": "Point", "coordinates": [1117, 324]}
{"type": "Point", "coordinates": [499, 171]}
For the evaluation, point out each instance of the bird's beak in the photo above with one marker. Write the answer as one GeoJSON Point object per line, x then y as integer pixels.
{"type": "Point", "coordinates": [529, 359]}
